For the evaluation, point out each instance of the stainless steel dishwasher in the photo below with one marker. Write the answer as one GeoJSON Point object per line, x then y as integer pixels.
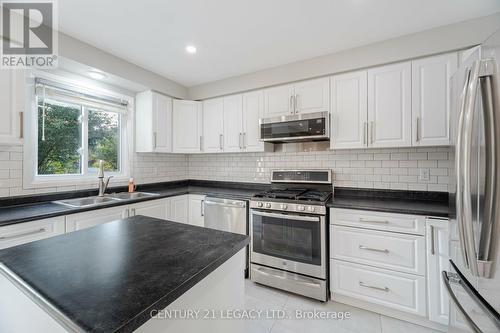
{"type": "Point", "coordinates": [226, 215]}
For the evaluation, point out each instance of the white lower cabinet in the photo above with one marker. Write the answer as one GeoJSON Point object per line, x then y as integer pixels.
{"type": "Point", "coordinates": [178, 209]}
{"type": "Point", "coordinates": [21, 233]}
{"type": "Point", "coordinates": [154, 208]}
{"type": "Point", "coordinates": [390, 263]}
{"type": "Point", "coordinates": [400, 291]}
{"type": "Point", "coordinates": [92, 218]}
{"type": "Point", "coordinates": [196, 210]}
{"type": "Point", "coordinates": [438, 255]}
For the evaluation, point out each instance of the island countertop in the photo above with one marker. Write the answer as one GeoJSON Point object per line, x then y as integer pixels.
{"type": "Point", "coordinates": [108, 278]}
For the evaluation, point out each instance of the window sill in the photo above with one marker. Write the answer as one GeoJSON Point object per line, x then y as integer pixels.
{"type": "Point", "coordinates": [41, 182]}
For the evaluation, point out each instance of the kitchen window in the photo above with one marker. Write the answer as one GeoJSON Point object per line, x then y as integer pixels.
{"type": "Point", "coordinates": [72, 129]}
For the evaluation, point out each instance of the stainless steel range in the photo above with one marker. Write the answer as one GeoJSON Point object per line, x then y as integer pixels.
{"type": "Point", "coordinates": [288, 230]}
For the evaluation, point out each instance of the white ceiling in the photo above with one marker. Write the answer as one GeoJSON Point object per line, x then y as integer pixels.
{"type": "Point", "coordinates": [235, 37]}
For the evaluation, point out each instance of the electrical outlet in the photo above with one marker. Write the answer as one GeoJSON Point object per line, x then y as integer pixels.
{"type": "Point", "coordinates": [425, 175]}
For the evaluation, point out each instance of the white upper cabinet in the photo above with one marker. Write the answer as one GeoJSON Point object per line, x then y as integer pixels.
{"type": "Point", "coordinates": [153, 122]}
{"type": "Point", "coordinates": [431, 99]}
{"type": "Point", "coordinates": [301, 97]}
{"type": "Point", "coordinates": [312, 95]}
{"type": "Point", "coordinates": [11, 105]}
{"type": "Point", "coordinates": [253, 110]}
{"type": "Point", "coordinates": [389, 105]}
{"type": "Point", "coordinates": [213, 125]}
{"type": "Point", "coordinates": [233, 123]}
{"type": "Point", "coordinates": [278, 101]}
{"type": "Point", "coordinates": [187, 126]}
{"type": "Point", "coordinates": [349, 110]}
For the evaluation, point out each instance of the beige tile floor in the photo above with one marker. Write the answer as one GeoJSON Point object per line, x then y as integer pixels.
{"type": "Point", "coordinates": [361, 321]}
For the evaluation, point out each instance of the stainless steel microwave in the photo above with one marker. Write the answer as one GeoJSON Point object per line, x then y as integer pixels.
{"type": "Point", "coordinates": [295, 128]}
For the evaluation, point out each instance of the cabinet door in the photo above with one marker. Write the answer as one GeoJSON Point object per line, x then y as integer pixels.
{"type": "Point", "coordinates": [389, 105]}
{"type": "Point", "coordinates": [154, 208]}
{"type": "Point", "coordinates": [438, 256]}
{"type": "Point", "coordinates": [196, 210]}
{"type": "Point", "coordinates": [187, 126]}
{"type": "Point", "coordinates": [213, 125]}
{"type": "Point", "coordinates": [11, 105]}
{"type": "Point", "coordinates": [89, 219]}
{"type": "Point", "coordinates": [349, 110]}
{"type": "Point", "coordinates": [253, 110]}
{"type": "Point", "coordinates": [162, 122]}
{"type": "Point", "coordinates": [431, 98]}
{"type": "Point", "coordinates": [312, 96]}
{"type": "Point", "coordinates": [278, 101]}
{"type": "Point", "coordinates": [233, 123]}
{"type": "Point", "coordinates": [179, 208]}
{"type": "Point", "coordinates": [23, 233]}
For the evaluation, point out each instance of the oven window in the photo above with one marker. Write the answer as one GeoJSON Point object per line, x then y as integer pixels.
{"type": "Point", "coordinates": [287, 237]}
{"type": "Point", "coordinates": [296, 128]}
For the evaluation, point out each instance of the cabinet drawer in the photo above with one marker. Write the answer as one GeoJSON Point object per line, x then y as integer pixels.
{"type": "Point", "coordinates": [400, 252]}
{"type": "Point", "coordinates": [400, 291]}
{"type": "Point", "coordinates": [411, 224]}
{"type": "Point", "coordinates": [22, 233]}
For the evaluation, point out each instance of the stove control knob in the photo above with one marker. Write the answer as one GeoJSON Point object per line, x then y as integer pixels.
{"type": "Point", "coordinates": [311, 208]}
{"type": "Point", "coordinates": [268, 205]}
{"type": "Point", "coordinates": [283, 206]}
{"type": "Point", "coordinates": [301, 208]}
{"type": "Point", "coordinates": [260, 204]}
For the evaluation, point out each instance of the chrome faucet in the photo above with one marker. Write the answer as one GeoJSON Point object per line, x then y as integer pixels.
{"type": "Point", "coordinates": [103, 184]}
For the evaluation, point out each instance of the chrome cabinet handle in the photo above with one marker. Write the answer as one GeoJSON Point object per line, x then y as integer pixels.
{"type": "Point", "coordinates": [362, 247]}
{"type": "Point", "coordinates": [372, 221]}
{"type": "Point", "coordinates": [240, 140]}
{"type": "Point", "coordinates": [362, 284]}
{"type": "Point", "coordinates": [295, 99]}
{"type": "Point", "coordinates": [203, 207]}
{"type": "Point", "coordinates": [365, 133]}
{"type": "Point", "coordinates": [29, 233]}
{"type": "Point", "coordinates": [220, 141]}
{"type": "Point", "coordinates": [154, 140]}
{"type": "Point", "coordinates": [133, 211]}
{"type": "Point", "coordinates": [21, 125]}
{"type": "Point", "coordinates": [433, 246]}
{"type": "Point", "coordinates": [292, 109]}
{"type": "Point", "coordinates": [418, 129]}
{"type": "Point", "coordinates": [244, 139]}
{"type": "Point", "coordinates": [372, 132]}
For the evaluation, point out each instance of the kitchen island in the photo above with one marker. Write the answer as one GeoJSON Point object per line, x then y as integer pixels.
{"type": "Point", "coordinates": [136, 274]}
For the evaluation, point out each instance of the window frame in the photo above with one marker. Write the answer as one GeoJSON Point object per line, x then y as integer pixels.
{"type": "Point", "coordinates": [84, 179]}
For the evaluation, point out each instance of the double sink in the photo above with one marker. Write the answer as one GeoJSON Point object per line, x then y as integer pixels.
{"type": "Point", "coordinates": [107, 199]}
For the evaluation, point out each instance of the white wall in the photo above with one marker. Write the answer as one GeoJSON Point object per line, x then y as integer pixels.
{"type": "Point", "coordinates": [395, 168]}
{"type": "Point", "coordinates": [86, 54]}
{"type": "Point", "coordinates": [448, 38]}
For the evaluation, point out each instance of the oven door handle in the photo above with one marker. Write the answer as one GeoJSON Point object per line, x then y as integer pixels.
{"type": "Point", "coordinates": [289, 216]}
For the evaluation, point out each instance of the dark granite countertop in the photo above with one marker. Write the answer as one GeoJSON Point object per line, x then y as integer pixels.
{"type": "Point", "coordinates": [17, 210]}
{"type": "Point", "coordinates": [403, 202]}
{"type": "Point", "coordinates": [108, 278]}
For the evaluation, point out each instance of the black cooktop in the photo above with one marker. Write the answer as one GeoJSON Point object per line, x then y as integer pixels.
{"type": "Point", "coordinates": [295, 194]}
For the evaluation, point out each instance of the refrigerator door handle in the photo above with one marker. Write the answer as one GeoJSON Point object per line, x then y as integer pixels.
{"type": "Point", "coordinates": [459, 172]}
{"type": "Point", "coordinates": [446, 279]}
{"type": "Point", "coordinates": [487, 69]}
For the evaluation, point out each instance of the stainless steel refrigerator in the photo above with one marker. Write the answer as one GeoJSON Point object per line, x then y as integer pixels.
{"type": "Point", "coordinates": [473, 282]}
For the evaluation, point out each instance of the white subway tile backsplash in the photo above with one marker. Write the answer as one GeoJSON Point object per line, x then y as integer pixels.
{"type": "Point", "coordinates": [394, 168]}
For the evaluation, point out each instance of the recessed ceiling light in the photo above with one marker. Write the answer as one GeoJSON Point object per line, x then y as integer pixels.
{"type": "Point", "coordinates": [97, 75]}
{"type": "Point", "coordinates": [190, 49]}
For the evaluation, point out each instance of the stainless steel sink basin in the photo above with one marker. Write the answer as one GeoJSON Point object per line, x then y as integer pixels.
{"type": "Point", "coordinates": [134, 195]}
{"type": "Point", "coordinates": [87, 202]}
